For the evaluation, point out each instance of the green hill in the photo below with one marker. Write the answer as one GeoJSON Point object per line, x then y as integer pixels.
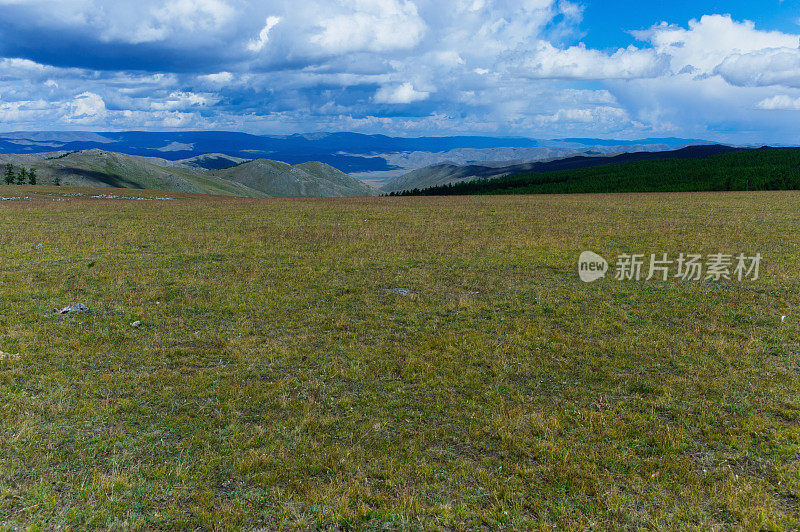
{"type": "Point", "coordinates": [279, 179]}
{"type": "Point", "coordinates": [98, 168]}
{"type": "Point", "coordinates": [261, 178]}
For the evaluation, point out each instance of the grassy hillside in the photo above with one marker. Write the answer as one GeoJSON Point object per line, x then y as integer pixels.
{"type": "Point", "coordinates": [275, 381]}
{"type": "Point", "coordinates": [277, 179]}
{"type": "Point", "coordinates": [208, 174]}
{"type": "Point", "coordinates": [764, 169]}
{"type": "Point", "coordinates": [106, 169]}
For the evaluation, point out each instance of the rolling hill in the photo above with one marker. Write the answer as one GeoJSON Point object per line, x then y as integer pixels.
{"type": "Point", "coordinates": [277, 179]}
{"type": "Point", "coordinates": [261, 178]}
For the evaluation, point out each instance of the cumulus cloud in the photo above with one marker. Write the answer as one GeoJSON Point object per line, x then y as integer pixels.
{"type": "Point", "coordinates": [86, 108]}
{"type": "Point", "coordinates": [183, 100]}
{"type": "Point", "coordinates": [404, 93]}
{"type": "Point", "coordinates": [709, 41]}
{"type": "Point", "coordinates": [712, 45]}
{"type": "Point", "coordinates": [371, 25]}
{"type": "Point", "coordinates": [161, 20]}
{"type": "Point", "coordinates": [780, 102]}
{"type": "Point", "coordinates": [771, 66]}
{"type": "Point", "coordinates": [220, 78]}
{"type": "Point", "coordinates": [580, 63]}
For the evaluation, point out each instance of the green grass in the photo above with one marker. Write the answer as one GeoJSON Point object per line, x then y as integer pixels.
{"type": "Point", "coordinates": [274, 382]}
{"type": "Point", "coordinates": [743, 170]}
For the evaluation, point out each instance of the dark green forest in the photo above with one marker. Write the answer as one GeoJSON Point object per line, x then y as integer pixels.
{"type": "Point", "coordinates": [746, 169]}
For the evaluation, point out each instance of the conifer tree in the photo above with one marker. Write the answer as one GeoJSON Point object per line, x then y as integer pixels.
{"type": "Point", "coordinates": [9, 174]}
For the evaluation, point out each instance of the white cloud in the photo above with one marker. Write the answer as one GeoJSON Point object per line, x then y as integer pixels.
{"type": "Point", "coordinates": [780, 102]}
{"type": "Point", "coordinates": [579, 62]}
{"type": "Point", "coordinates": [177, 17]}
{"type": "Point", "coordinates": [401, 94]}
{"type": "Point", "coordinates": [709, 41]}
{"type": "Point", "coordinates": [771, 66]}
{"type": "Point", "coordinates": [24, 112]}
{"type": "Point", "coordinates": [714, 44]}
{"type": "Point", "coordinates": [86, 108]}
{"type": "Point", "coordinates": [220, 78]}
{"type": "Point", "coordinates": [371, 25]}
{"type": "Point", "coordinates": [596, 116]}
{"type": "Point", "coordinates": [183, 100]}
{"type": "Point", "coordinates": [260, 42]}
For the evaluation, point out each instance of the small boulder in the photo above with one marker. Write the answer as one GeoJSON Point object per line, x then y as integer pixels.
{"type": "Point", "coordinates": [9, 356]}
{"type": "Point", "coordinates": [400, 291]}
{"type": "Point", "coordinates": [77, 307]}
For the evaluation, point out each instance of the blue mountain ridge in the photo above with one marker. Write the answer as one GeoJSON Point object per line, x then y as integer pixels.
{"type": "Point", "coordinates": [349, 152]}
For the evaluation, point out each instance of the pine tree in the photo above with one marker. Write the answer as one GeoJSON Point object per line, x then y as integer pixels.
{"type": "Point", "coordinates": [9, 174]}
{"type": "Point", "coordinates": [22, 176]}
{"type": "Point", "coordinates": [32, 176]}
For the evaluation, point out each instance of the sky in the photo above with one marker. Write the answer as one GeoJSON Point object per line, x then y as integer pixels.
{"type": "Point", "coordinates": [617, 69]}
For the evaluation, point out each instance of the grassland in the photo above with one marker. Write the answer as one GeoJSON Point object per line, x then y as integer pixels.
{"type": "Point", "coordinates": [275, 382]}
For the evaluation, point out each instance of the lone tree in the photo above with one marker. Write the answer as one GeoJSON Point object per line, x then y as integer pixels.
{"type": "Point", "coordinates": [22, 176]}
{"type": "Point", "coordinates": [9, 174]}
{"type": "Point", "coordinates": [32, 176]}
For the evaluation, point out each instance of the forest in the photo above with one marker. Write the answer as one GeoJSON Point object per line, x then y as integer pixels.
{"type": "Point", "coordinates": [742, 170]}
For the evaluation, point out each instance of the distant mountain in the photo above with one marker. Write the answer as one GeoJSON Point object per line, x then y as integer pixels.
{"type": "Point", "coordinates": [261, 178]}
{"type": "Point", "coordinates": [445, 174]}
{"type": "Point", "coordinates": [362, 155]}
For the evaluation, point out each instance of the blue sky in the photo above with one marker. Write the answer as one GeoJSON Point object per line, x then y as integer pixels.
{"type": "Point", "coordinates": [726, 71]}
{"type": "Point", "coordinates": [607, 23]}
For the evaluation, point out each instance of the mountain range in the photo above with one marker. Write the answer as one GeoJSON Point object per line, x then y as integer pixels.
{"type": "Point", "coordinates": [312, 164]}
{"type": "Point", "coordinates": [371, 157]}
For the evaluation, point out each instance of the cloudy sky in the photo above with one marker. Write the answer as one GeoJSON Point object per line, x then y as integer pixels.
{"type": "Point", "coordinates": [727, 71]}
